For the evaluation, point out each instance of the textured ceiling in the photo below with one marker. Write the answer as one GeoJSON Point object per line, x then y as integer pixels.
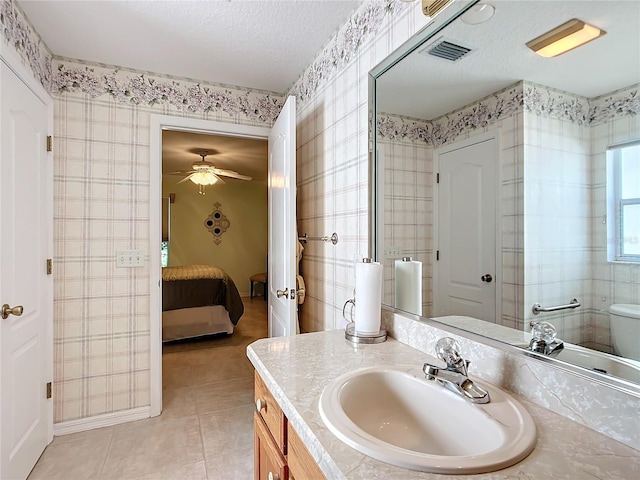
{"type": "Point", "coordinates": [262, 44]}
{"type": "Point", "coordinates": [245, 156]}
{"type": "Point", "coordinates": [423, 86]}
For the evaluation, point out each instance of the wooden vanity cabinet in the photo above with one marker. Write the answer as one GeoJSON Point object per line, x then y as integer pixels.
{"type": "Point", "coordinates": [279, 453]}
{"type": "Point", "coordinates": [301, 464]}
{"type": "Point", "coordinates": [268, 463]}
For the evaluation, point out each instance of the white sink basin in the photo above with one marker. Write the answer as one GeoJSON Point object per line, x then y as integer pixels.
{"type": "Point", "coordinates": [395, 415]}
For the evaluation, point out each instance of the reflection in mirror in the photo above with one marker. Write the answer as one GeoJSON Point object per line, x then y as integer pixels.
{"type": "Point", "coordinates": [496, 173]}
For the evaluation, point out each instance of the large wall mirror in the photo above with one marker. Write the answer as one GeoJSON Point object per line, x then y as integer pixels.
{"type": "Point", "coordinates": [512, 179]}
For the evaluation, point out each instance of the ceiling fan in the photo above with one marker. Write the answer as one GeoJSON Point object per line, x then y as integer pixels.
{"type": "Point", "coordinates": [205, 173]}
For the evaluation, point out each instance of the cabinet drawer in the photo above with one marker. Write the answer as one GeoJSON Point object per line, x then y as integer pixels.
{"type": "Point", "coordinates": [301, 463]}
{"type": "Point", "coordinates": [270, 412]}
{"type": "Point", "coordinates": [269, 464]}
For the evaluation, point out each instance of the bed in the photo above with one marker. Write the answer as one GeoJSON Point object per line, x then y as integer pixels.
{"type": "Point", "coordinates": [198, 300]}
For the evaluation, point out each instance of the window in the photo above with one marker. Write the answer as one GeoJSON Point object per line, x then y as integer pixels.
{"type": "Point", "coordinates": [623, 185]}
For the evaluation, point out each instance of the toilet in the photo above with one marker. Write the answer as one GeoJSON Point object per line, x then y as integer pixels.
{"type": "Point", "coordinates": [625, 329]}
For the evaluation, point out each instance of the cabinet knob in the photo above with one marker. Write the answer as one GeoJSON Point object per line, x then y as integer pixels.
{"type": "Point", "coordinates": [260, 404]}
{"type": "Point", "coordinates": [274, 476]}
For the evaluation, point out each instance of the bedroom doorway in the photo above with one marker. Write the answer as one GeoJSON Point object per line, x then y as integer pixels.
{"type": "Point", "coordinates": [190, 363]}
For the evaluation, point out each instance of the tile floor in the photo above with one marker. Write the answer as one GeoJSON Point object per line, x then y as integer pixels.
{"type": "Point", "coordinates": [205, 430]}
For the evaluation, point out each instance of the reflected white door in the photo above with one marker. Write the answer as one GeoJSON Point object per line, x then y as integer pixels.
{"type": "Point", "coordinates": [281, 264]}
{"type": "Point", "coordinates": [465, 273]}
{"type": "Point", "coordinates": [25, 236]}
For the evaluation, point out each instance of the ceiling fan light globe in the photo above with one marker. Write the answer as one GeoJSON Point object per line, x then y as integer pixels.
{"type": "Point", "coordinates": [204, 178]}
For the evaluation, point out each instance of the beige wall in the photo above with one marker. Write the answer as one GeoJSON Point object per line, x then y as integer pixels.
{"type": "Point", "coordinates": [333, 153]}
{"type": "Point", "coordinates": [102, 205]}
{"type": "Point", "coordinates": [101, 195]}
{"type": "Point", "coordinates": [243, 250]}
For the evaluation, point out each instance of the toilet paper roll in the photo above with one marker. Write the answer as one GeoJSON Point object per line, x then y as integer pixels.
{"type": "Point", "coordinates": [408, 275]}
{"type": "Point", "coordinates": [368, 297]}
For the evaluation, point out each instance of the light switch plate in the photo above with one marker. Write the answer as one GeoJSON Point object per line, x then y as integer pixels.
{"type": "Point", "coordinates": [393, 251]}
{"type": "Point", "coordinates": [129, 259]}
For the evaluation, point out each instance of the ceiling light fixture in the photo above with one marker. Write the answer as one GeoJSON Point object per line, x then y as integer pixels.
{"type": "Point", "coordinates": [479, 13]}
{"type": "Point", "coordinates": [566, 37]}
{"type": "Point", "coordinates": [204, 177]}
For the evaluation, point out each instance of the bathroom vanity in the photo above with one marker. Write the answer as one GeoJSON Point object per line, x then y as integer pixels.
{"type": "Point", "coordinates": [279, 452]}
{"type": "Point", "coordinates": [292, 372]}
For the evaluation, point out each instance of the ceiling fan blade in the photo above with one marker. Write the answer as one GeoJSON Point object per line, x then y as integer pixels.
{"type": "Point", "coordinates": [180, 172]}
{"type": "Point", "coordinates": [232, 174]}
{"type": "Point", "coordinates": [188, 177]}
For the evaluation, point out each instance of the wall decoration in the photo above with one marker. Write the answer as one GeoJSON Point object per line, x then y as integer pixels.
{"type": "Point", "coordinates": [530, 97]}
{"type": "Point", "coordinates": [345, 44]}
{"type": "Point", "coordinates": [16, 31]}
{"type": "Point", "coordinates": [217, 223]}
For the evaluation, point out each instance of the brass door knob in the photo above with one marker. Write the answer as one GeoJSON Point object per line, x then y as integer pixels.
{"type": "Point", "coordinates": [7, 310]}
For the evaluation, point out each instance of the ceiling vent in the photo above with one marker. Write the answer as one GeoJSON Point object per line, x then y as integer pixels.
{"type": "Point", "coordinates": [447, 50]}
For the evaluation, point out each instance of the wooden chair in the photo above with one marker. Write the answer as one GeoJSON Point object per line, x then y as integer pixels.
{"type": "Point", "coordinates": [259, 278]}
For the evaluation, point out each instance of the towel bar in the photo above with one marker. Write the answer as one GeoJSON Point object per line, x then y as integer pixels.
{"type": "Point", "coordinates": [306, 238]}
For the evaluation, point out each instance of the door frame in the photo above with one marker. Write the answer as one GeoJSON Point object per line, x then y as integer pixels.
{"type": "Point", "coordinates": [14, 62]}
{"type": "Point", "coordinates": [481, 137]}
{"type": "Point", "coordinates": [158, 124]}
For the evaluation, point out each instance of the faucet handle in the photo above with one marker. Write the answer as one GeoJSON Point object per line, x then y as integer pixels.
{"type": "Point", "coordinates": [448, 350]}
{"type": "Point", "coordinates": [544, 331]}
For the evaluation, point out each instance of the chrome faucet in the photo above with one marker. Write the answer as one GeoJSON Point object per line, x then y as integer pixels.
{"type": "Point", "coordinates": [454, 376]}
{"type": "Point", "coordinates": [544, 339]}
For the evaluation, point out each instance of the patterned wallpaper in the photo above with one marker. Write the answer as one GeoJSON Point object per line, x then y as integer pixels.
{"type": "Point", "coordinates": [553, 130]}
{"type": "Point", "coordinates": [101, 205]}
{"type": "Point", "coordinates": [101, 189]}
{"type": "Point", "coordinates": [332, 152]}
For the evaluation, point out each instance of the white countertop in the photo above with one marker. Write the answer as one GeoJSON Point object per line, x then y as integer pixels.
{"type": "Point", "coordinates": [296, 370]}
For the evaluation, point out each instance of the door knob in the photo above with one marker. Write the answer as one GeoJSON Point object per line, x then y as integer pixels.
{"type": "Point", "coordinates": [283, 293]}
{"type": "Point", "coordinates": [486, 278]}
{"type": "Point", "coordinates": [7, 310]}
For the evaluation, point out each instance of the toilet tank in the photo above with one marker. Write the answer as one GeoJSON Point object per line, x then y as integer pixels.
{"type": "Point", "coordinates": [625, 329]}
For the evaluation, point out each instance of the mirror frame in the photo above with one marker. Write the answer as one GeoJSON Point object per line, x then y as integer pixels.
{"type": "Point", "coordinates": [447, 16]}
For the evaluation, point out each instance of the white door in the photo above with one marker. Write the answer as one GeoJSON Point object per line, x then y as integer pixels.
{"type": "Point", "coordinates": [25, 241]}
{"type": "Point", "coordinates": [281, 265]}
{"type": "Point", "coordinates": [465, 267]}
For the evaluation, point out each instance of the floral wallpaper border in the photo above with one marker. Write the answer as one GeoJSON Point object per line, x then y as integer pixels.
{"type": "Point", "coordinates": [17, 32]}
{"type": "Point", "coordinates": [536, 99]}
{"type": "Point", "coordinates": [149, 89]}
{"type": "Point", "coordinates": [622, 103]}
{"type": "Point", "coordinates": [344, 46]}
{"type": "Point", "coordinates": [200, 97]}
{"type": "Point", "coordinates": [447, 128]}
{"type": "Point", "coordinates": [59, 76]}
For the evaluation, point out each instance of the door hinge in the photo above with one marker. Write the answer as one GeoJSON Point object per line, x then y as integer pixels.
{"type": "Point", "coordinates": [49, 266]}
{"type": "Point", "coordinates": [437, 255]}
{"type": "Point", "coordinates": [437, 178]}
{"type": "Point", "coordinates": [49, 143]}
{"type": "Point", "coordinates": [49, 390]}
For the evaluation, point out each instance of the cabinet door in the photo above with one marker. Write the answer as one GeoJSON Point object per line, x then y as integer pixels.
{"type": "Point", "coordinates": [301, 463]}
{"type": "Point", "coordinates": [269, 464]}
{"type": "Point", "coordinates": [271, 414]}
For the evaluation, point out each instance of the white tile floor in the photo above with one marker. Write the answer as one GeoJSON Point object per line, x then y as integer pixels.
{"type": "Point", "coordinates": [204, 432]}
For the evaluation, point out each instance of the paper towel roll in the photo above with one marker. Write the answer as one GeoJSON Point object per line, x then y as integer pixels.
{"type": "Point", "coordinates": [409, 285]}
{"type": "Point", "coordinates": [368, 297]}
